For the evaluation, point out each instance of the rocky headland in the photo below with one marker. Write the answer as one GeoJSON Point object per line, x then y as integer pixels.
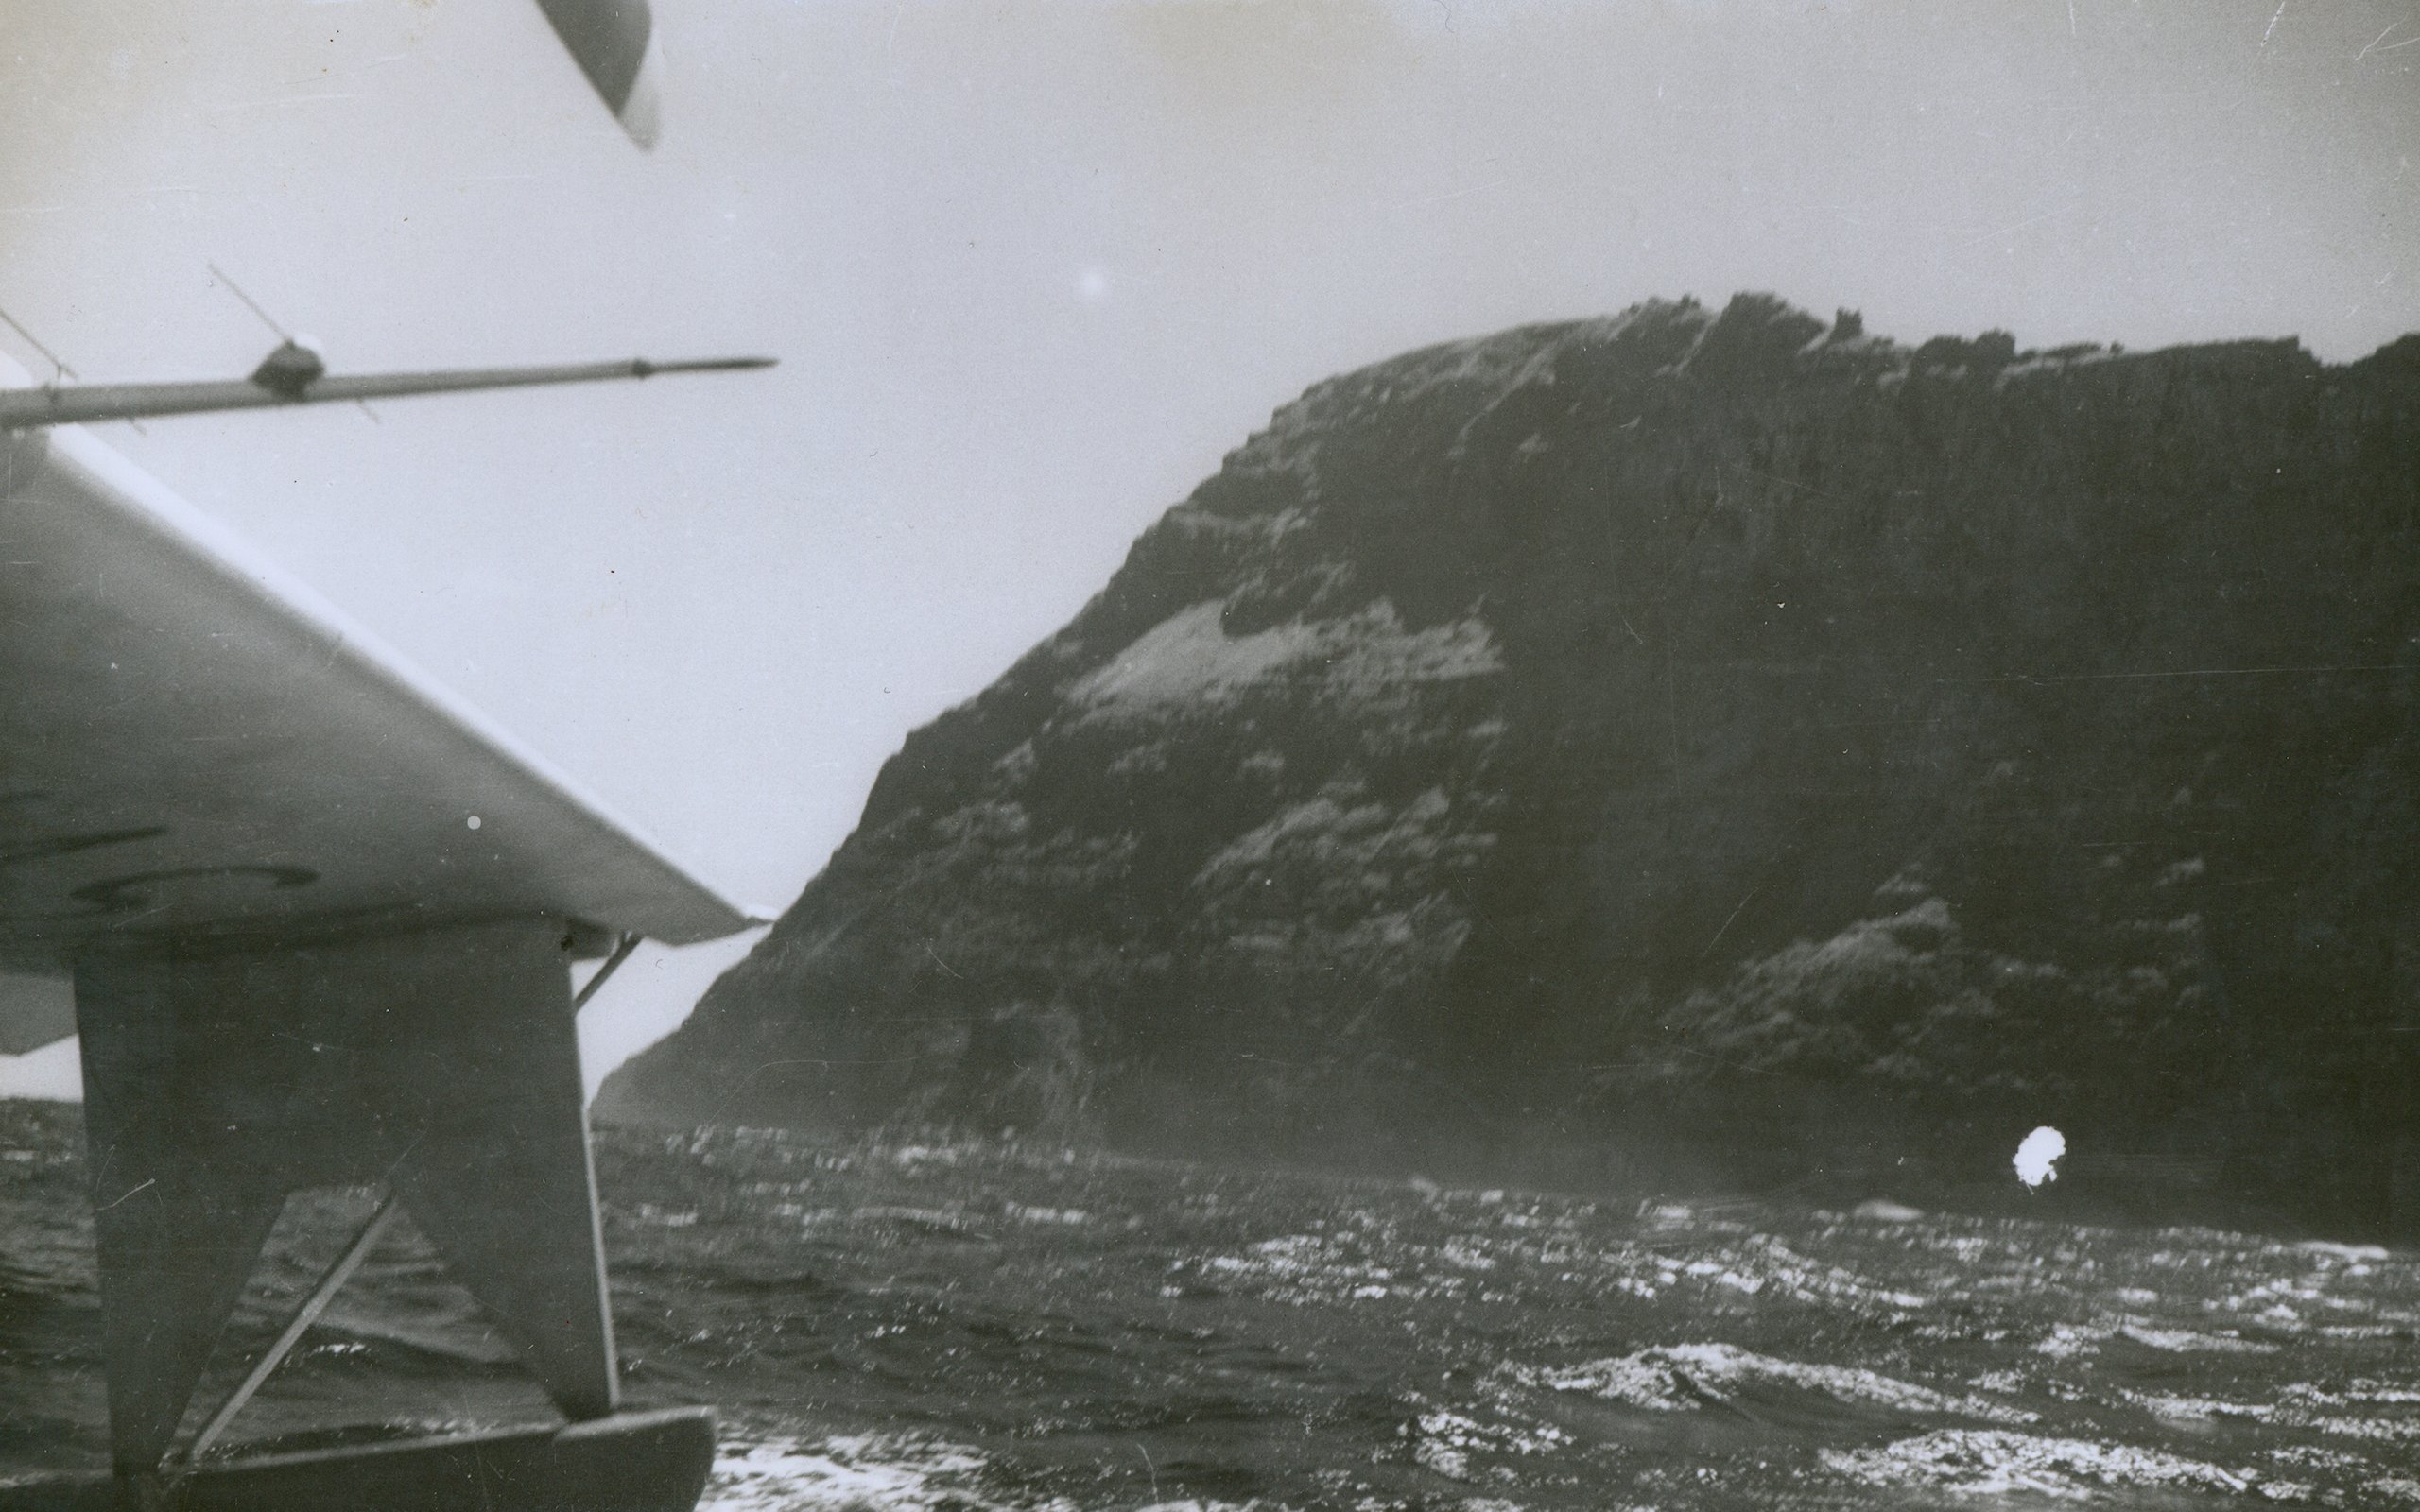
{"type": "Point", "coordinates": [1716, 736]}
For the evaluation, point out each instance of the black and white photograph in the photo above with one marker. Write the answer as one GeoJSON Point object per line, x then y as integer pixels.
{"type": "Point", "coordinates": [1209, 755]}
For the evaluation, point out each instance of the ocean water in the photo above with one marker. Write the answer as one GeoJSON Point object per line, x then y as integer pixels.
{"type": "Point", "coordinates": [972, 1328]}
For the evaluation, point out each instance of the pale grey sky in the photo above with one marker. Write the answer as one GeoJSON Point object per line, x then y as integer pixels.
{"type": "Point", "coordinates": [1032, 269]}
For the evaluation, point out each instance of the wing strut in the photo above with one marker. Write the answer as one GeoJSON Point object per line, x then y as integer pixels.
{"type": "Point", "coordinates": [304, 1317]}
{"type": "Point", "coordinates": [613, 962]}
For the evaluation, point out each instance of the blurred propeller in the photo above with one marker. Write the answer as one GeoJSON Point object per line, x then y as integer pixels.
{"type": "Point", "coordinates": [614, 43]}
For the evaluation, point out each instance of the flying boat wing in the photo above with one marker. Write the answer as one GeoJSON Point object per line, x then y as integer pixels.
{"type": "Point", "coordinates": [311, 916]}
{"type": "Point", "coordinates": [196, 750]}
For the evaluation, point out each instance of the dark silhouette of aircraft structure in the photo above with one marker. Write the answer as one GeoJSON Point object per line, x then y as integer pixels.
{"type": "Point", "coordinates": [316, 919]}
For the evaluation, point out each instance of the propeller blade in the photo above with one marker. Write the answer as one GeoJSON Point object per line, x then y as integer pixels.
{"type": "Point", "coordinates": [614, 43]}
{"type": "Point", "coordinates": [89, 403]}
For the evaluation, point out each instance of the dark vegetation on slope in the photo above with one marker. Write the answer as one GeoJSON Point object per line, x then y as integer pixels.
{"type": "Point", "coordinates": [1690, 731]}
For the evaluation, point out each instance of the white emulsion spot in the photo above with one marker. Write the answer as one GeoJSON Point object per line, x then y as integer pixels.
{"type": "Point", "coordinates": [2037, 1158]}
{"type": "Point", "coordinates": [475, 822]}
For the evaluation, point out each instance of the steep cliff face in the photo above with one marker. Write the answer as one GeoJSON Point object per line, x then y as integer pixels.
{"type": "Point", "coordinates": [1665, 709]}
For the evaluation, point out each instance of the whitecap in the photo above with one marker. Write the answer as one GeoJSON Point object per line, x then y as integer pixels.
{"type": "Point", "coordinates": [1882, 1210]}
{"type": "Point", "coordinates": [877, 1473]}
{"type": "Point", "coordinates": [1683, 1377]}
{"type": "Point", "coordinates": [1995, 1462]}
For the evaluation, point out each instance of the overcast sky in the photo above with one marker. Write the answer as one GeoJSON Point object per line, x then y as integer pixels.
{"type": "Point", "coordinates": [1031, 270]}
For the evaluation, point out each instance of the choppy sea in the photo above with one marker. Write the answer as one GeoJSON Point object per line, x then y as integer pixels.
{"type": "Point", "coordinates": [979, 1327]}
